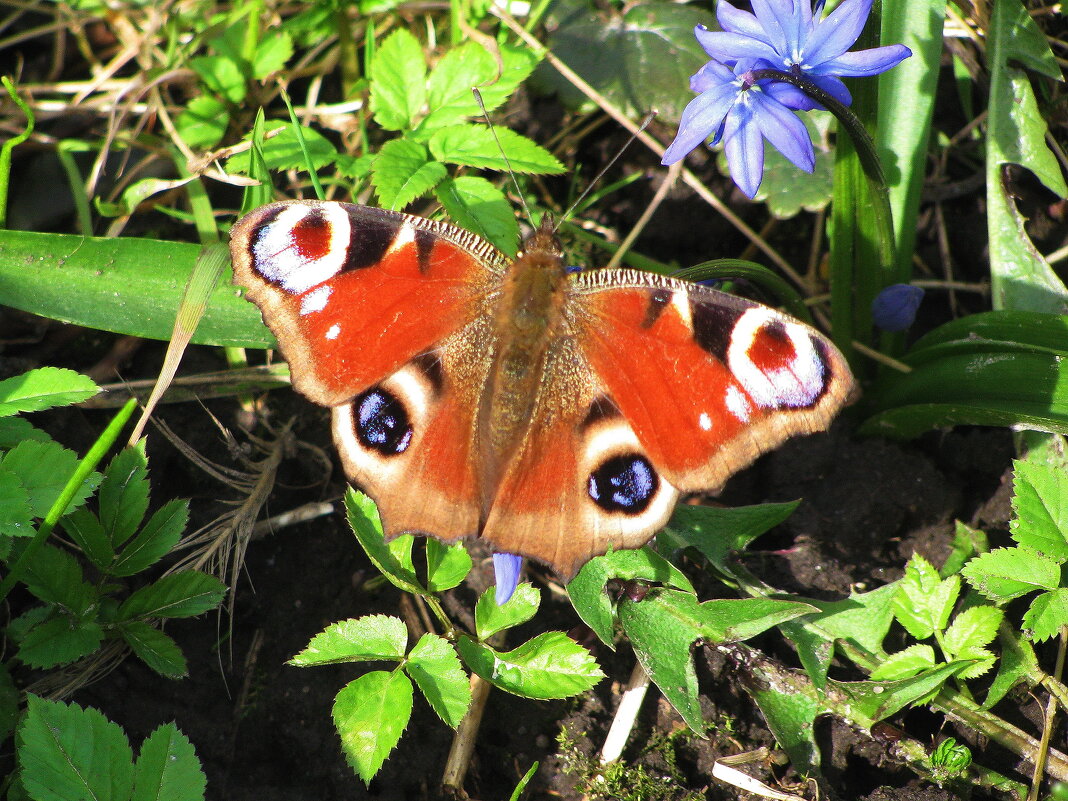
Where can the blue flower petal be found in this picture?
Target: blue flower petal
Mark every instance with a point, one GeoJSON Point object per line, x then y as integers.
{"type": "Point", "coordinates": [789, 95]}
{"type": "Point", "coordinates": [785, 130]}
{"type": "Point", "coordinates": [734, 20]}
{"type": "Point", "coordinates": [506, 567]}
{"type": "Point", "coordinates": [861, 63]}
{"type": "Point", "coordinates": [772, 14]}
{"type": "Point", "coordinates": [837, 32]}
{"type": "Point", "coordinates": [894, 309]}
{"type": "Point", "coordinates": [744, 149]}
{"type": "Point", "coordinates": [711, 74]}
{"type": "Point", "coordinates": [730, 47]}
{"type": "Point", "coordinates": [700, 119]}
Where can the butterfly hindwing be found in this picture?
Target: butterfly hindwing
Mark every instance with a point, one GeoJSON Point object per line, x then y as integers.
{"type": "Point", "coordinates": [353, 293]}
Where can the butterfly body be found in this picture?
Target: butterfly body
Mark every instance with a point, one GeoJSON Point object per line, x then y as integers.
{"type": "Point", "coordinates": [556, 415]}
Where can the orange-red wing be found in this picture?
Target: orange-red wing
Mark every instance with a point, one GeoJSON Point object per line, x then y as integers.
{"type": "Point", "coordinates": [353, 293]}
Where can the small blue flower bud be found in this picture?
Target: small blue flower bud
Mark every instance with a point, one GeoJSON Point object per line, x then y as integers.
{"type": "Point", "coordinates": [894, 309]}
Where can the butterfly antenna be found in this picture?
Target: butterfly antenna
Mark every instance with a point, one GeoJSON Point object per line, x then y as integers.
{"type": "Point", "coordinates": [507, 163]}
{"type": "Point", "coordinates": [645, 124]}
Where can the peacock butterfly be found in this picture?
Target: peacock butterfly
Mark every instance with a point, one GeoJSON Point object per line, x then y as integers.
{"type": "Point", "coordinates": [554, 414]}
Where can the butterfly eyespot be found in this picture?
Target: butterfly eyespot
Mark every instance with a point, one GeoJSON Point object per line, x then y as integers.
{"type": "Point", "coordinates": [625, 483]}
{"type": "Point", "coordinates": [382, 422]}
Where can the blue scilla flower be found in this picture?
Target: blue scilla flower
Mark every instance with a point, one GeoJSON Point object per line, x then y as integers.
{"type": "Point", "coordinates": [735, 108]}
{"type": "Point", "coordinates": [894, 309]}
{"type": "Point", "coordinates": [506, 567]}
{"type": "Point", "coordinates": [793, 36]}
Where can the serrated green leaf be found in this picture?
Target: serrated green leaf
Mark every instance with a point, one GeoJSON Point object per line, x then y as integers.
{"type": "Point", "coordinates": [449, 96]}
{"type": "Point", "coordinates": [398, 81]}
{"type": "Point", "coordinates": [975, 627]}
{"type": "Point", "coordinates": [905, 664]}
{"type": "Point", "coordinates": [1006, 573]}
{"type": "Point", "coordinates": [475, 146]}
{"type": "Point", "coordinates": [59, 641]}
{"type": "Point", "coordinates": [44, 388]}
{"type": "Point", "coordinates": [664, 624]}
{"type": "Point", "coordinates": [1046, 616]}
{"type": "Point", "coordinates": [272, 53]}
{"type": "Point", "coordinates": [587, 589]}
{"type": "Point", "coordinates": [393, 560]}
{"type": "Point", "coordinates": [44, 469]}
{"type": "Point", "coordinates": [983, 657]}
{"type": "Point", "coordinates": [14, 430]}
{"type": "Point", "coordinates": [370, 714]}
{"type": "Point", "coordinates": [402, 171]}
{"type": "Point", "coordinates": [924, 600]}
{"type": "Point", "coordinates": [283, 150]}
{"type": "Point", "coordinates": [155, 648]}
{"type": "Point", "coordinates": [477, 205]}
{"type": "Point", "coordinates": [155, 539]}
{"type": "Point", "coordinates": [66, 752]}
{"type": "Point", "coordinates": [124, 494]}
{"type": "Point", "coordinates": [167, 769]}
{"type": "Point", "coordinates": [1040, 500]}
{"type": "Point", "coordinates": [222, 75]}
{"type": "Point", "coordinates": [491, 618]}
{"type": "Point", "coordinates": [55, 577]}
{"type": "Point", "coordinates": [446, 565]}
{"type": "Point", "coordinates": [436, 669]}
{"type": "Point", "coordinates": [1018, 664]}
{"type": "Point", "coordinates": [549, 666]}
{"type": "Point", "coordinates": [968, 543]}
{"type": "Point", "coordinates": [203, 122]}
{"type": "Point", "coordinates": [356, 640]}
{"type": "Point", "coordinates": [182, 594]}
{"type": "Point", "coordinates": [87, 532]}
{"type": "Point", "coordinates": [16, 517]}
{"type": "Point", "coordinates": [862, 619]}
{"type": "Point", "coordinates": [719, 531]}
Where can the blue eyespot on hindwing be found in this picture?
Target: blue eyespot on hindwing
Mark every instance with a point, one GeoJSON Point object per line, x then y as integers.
{"type": "Point", "coordinates": [625, 483]}
{"type": "Point", "coordinates": [382, 423]}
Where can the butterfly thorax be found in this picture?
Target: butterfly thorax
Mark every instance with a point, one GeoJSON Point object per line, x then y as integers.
{"type": "Point", "coordinates": [526, 321]}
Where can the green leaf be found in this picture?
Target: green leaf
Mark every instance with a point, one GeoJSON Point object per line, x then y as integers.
{"type": "Point", "coordinates": [719, 531]}
{"type": "Point", "coordinates": [587, 589]}
{"type": "Point", "coordinates": [182, 594]}
{"type": "Point", "coordinates": [67, 753]}
{"type": "Point", "coordinates": [44, 469]}
{"type": "Point", "coordinates": [905, 664]}
{"type": "Point", "coordinates": [129, 286]}
{"type": "Point", "coordinates": [272, 53]}
{"type": "Point", "coordinates": [370, 714]}
{"type": "Point", "coordinates": [124, 494]}
{"type": "Point", "coordinates": [868, 702]}
{"type": "Point", "coordinates": [16, 517]}
{"type": "Point", "coordinates": [59, 641]}
{"type": "Point", "coordinates": [475, 146]}
{"type": "Point", "coordinates": [394, 560]}
{"type": "Point", "coordinates": [664, 624]}
{"type": "Point", "coordinates": [203, 122]}
{"type": "Point", "coordinates": [87, 532]}
{"type": "Point", "coordinates": [640, 60]}
{"type": "Point", "coordinates": [402, 171]}
{"type": "Point", "coordinates": [449, 95]}
{"type": "Point", "coordinates": [491, 618]}
{"type": "Point", "coordinates": [786, 188]}
{"type": "Point", "coordinates": [549, 666]}
{"type": "Point", "coordinates": [55, 577]}
{"type": "Point", "coordinates": [1016, 130]}
{"type": "Point", "coordinates": [167, 769]}
{"type": "Point", "coordinates": [477, 205]}
{"type": "Point", "coordinates": [790, 706]}
{"type": "Point", "coordinates": [155, 539]}
{"type": "Point", "coordinates": [398, 81]}
{"type": "Point", "coordinates": [1040, 501]}
{"type": "Point", "coordinates": [982, 657]}
{"type": "Point", "coordinates": [1046, 616]}
{"type": "Point", "coordinates": [283, 151]}
{"type": "Point", "coordinates": [222, 75]}
{"type": "Point", "coordinates": [1006, 573]}
{"type": "Point", "coordinates": [155, 648]}
{"type": "Point", "coordinates": [924, 600]}
{"type": "Point", "coordinates": [968, 543]}
{"type": "Point", "coordinates": [44, 387]}
{"type": "Point", "coordinates": [14, 430]}
{"type": "Point", "coordinates": [356, 640]}
{"type": "Point", "coordinates": [1018, 664]}
{"type": "Point", "coordinates": [973, 628]}
{"type": "Point", "coordinates": [436, 669]}
{"type": "Point", "coordinates": [446, 565]}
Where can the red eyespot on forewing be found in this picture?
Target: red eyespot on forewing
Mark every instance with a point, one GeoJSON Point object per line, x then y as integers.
{"type": "Point", "coordinates": [312, 236]}
{"type": "Point", "coordinates": [772, 349]}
